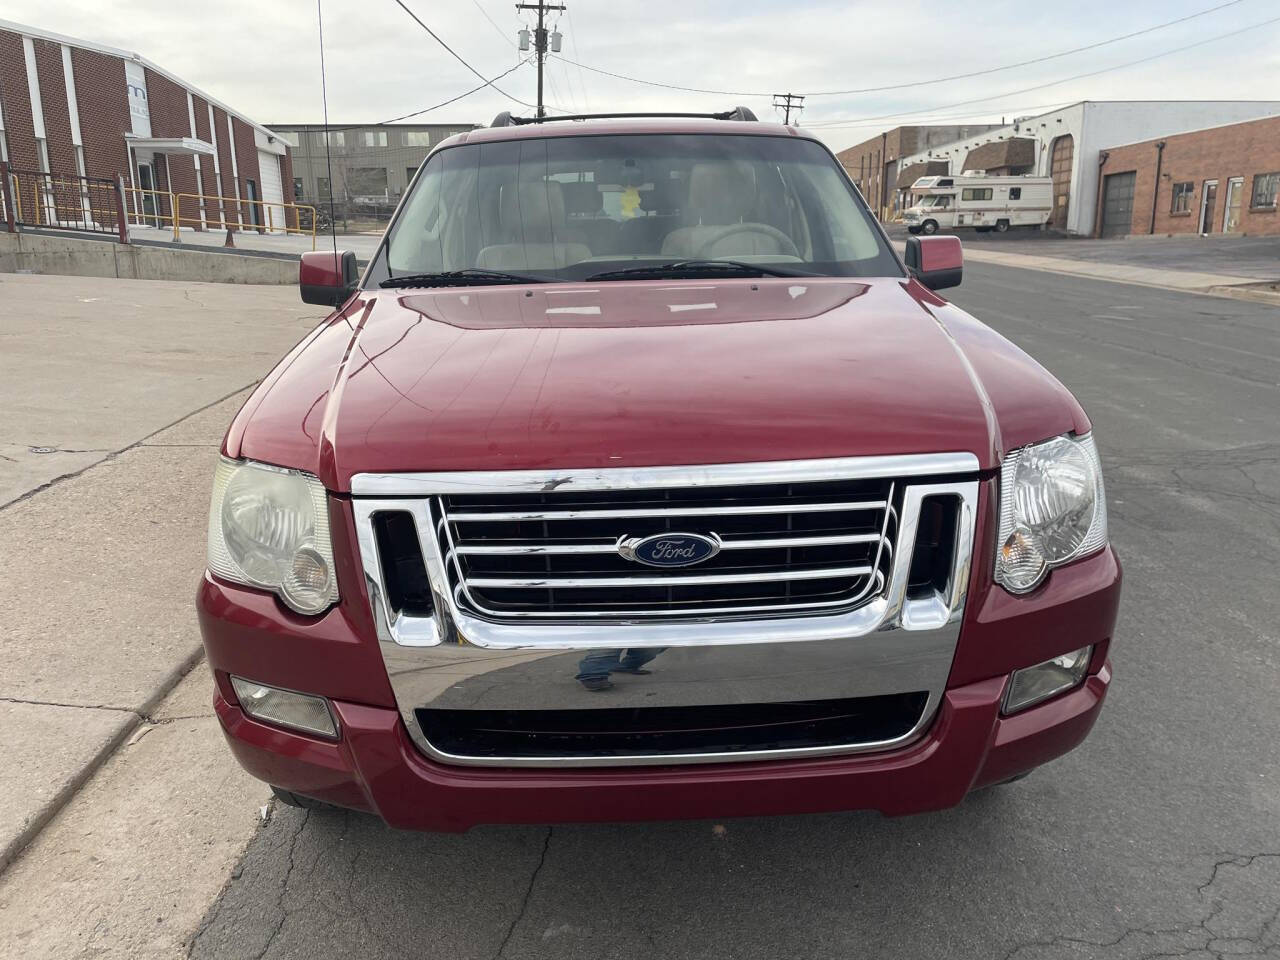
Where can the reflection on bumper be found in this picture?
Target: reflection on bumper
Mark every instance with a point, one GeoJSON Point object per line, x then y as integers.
{"type": "Point", "coordinates": [376, 768]}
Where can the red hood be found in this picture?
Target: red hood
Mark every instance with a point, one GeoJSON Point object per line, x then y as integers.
{"type": "Point", "coordinates": [642, 374]}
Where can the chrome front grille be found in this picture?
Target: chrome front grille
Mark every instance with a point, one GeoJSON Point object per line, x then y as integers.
{"type": "Point", "coordinates": [784, 547]}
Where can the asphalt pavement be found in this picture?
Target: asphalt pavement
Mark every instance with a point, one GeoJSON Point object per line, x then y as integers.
{"type": "Point", "coordinates": [1160, 836]}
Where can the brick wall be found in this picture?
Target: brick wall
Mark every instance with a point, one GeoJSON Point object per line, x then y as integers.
{"type": "Point", "coordinates": [247, 167]}
{"type": "Point", "coordinates": [234, 215]}
{"type": "Point", "coordinates": [104, 112]}
{"type": "Point", "coordinates": [18, 131]}
{"type": "Point", "coordinates": [1238, 150]}
{"type": "Point", "coordinates": [53, 101]}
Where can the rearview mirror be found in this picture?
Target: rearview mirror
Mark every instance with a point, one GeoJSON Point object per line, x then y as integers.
{"type": "Point", "coordinates": [328, 278]}
{"type": "Point", "coordinates": [937, 262]}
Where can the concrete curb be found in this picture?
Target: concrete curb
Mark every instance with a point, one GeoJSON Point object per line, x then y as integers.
{"type": "Point", "coordinates": [13, 849]}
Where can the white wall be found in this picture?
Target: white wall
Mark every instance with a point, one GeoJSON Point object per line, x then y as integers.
{"type": "Point", "coordinates": [1099, 126]}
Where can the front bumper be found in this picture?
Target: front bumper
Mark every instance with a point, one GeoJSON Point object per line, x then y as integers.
{"type": "Point", "coordinates": [375, 766]}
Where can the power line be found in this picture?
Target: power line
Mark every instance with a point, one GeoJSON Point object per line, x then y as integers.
{"type": "Point", "coordinates": [656, 83]}
{"type": "Point", "coordinates": [484, 13]}
{"type": "Point", "coordinates": [445, 103]}
{"type": "Point", "coordinates": [914, 83]}
{"type": "Point", "coordinates": [1027, 63]}
{"type": "Point", "coordinates": [854, 121]}
{"type": "Point", "coordinates": [456, 56]}
{"type": "Point", "coordinates": [574, 42]}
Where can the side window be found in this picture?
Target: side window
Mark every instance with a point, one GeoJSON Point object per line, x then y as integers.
{"type": "Point", "coordinates": [1015, 193]}
{"type": "Point", "coordinates": [975, 193]}
{"type": "Point", "coordinates": [1182, 193]}
{"type": "Point", "coordinates": [1265, 188]}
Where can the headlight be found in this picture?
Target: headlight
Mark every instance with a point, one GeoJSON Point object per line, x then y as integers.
{"type": "Point", "coordinates": [1052, 509]}
{"type": "Point", "coordinates": [269, 528]}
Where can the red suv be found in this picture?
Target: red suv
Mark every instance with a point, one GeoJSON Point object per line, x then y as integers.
{"type": "Point", "coordinates": [637, 477]}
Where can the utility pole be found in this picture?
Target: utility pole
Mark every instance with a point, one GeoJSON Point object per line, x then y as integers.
{"type": "Point", "coordinates": [540, 40]}
{"type": "Point", "coordinates": [786, 102]}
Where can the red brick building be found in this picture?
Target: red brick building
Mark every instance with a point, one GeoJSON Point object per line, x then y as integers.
{"type": "Point", "coordinates": [1219, 180]}
{"type": "Point", "coordinates": [72, 107]}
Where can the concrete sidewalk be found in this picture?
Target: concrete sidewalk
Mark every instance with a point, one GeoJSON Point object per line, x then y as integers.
{"type": "Point", "coordinates": [362, 244]}
{"type": "Point", "coordinates": [117, 394]}
{"type": "Point", "coordinates": [1187, 281]}
{"type": "Point", "coordinates": [1174, 277]}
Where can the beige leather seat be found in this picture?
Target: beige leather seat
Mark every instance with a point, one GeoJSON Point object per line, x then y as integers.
{"type": "Point", "coordinates": [532, 222]}
{"type": "Point", "coordinates": [721, 195]}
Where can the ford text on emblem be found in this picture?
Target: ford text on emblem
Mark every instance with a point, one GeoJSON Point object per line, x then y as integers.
{"type": "Point", "coordinates": [670, 549]}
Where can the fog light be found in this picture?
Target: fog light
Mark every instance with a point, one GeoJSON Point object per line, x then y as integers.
{"type": "Point", "coordinates": [298, 711]}
{"type": "Point", "coordinates": [1031, 685]}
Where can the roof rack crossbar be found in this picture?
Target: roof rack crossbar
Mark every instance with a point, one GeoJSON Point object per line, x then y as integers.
{"type": "Point", "coordinates": [506, 119]}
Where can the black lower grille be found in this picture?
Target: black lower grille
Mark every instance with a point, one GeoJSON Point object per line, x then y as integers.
{"type": "Point", "coordinates": [647, 731]}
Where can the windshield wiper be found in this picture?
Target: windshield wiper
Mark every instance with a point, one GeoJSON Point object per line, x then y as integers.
{"type": "Point", "coordinates": [470, 276]}
{"type": "Point", "coordinates": [678, 268]}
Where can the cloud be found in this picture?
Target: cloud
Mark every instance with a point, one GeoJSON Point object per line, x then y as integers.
{"type": "Point", "coordinates": [262, 57]}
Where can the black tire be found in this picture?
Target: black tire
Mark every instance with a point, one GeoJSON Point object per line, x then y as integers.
{"type": "Point", "coordinates": [290, 799]}
{"type": "Point", "coordinates": [929, 227]}
{"type": "Point", "coordinates": [913, 229]}
{"type": "Point", "coordinates": [1002, 226]}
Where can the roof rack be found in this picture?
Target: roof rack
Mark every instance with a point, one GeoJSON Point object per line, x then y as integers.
{"type": "Point", "coordinates": [505, 119]}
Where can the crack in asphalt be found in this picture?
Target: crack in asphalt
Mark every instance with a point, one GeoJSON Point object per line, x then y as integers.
{"type": "Point", "coordinates": [284, 885]}
{"type": "Point", "coordinates": [74, 706]}
{"type": "Point", "coordinates": [528, 894]}
{"type": "Point", "coordinates": [1199, 928]}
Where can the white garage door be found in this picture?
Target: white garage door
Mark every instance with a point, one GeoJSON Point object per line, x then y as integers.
{"type": "Point", "coordinates": [272, 191]}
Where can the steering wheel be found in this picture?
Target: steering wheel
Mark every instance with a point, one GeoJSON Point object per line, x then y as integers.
{"type": "Point", "coordinates": [788, 246]}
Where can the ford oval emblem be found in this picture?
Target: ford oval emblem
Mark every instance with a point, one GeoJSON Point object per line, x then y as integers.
{"type": "Point", "coordinates": [670, 549]}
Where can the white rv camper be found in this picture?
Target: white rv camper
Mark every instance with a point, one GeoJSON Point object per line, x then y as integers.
{"type": "Point", "coordinates": [979, 201]}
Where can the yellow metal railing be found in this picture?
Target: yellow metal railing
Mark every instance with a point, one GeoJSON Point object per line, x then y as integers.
{"type": "Point", "coordinates": [232, 216]}
{"type": "Point", "coordinates": [57, 200]}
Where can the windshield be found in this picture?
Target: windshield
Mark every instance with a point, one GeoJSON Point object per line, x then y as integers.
{"type": "Point", "coordinates": [568, 208]}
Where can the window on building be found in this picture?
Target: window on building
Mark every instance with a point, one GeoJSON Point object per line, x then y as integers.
{"type": "Point", "coordinates": [1265, 187]}
{"type": "Point", "coordinates": [417, 138]}
{"type": "Point", "coordinates": [374, 138]}
{"type": "Point", "coordinates": [367, 181]}
{"type": "Point", "coordinates": [289, 136]}
{"type": "Point", "coordinates": [409, 173]}
{"type": "Point", "coordinates": [975, 193]}
{"type": "Point", "coordinates": [1015, 193]}
{"type": "Point", "coordinates": [1182, 194]}
{"type": "Point", "coordinates": [323, 189]}
{"type": "Point", "coordinates": [297, 188]}
{"type": "Point", "coordinates": [337, 138]}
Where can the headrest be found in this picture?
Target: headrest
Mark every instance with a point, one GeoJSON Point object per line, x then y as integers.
{"type": "Point", "coordinates": [532, 211]}
{"type": "Point", "coordinates": [719, 193]}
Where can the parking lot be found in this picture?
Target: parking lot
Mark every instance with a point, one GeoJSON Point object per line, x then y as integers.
{"type": "Point", "coordinates": [1158, 837]}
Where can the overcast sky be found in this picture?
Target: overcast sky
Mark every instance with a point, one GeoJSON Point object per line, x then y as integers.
{"type": "Point", "coordinates": [262, 56]}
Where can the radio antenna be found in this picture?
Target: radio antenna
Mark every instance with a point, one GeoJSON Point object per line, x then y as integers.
{"type": "Point", "coordinates": [328, 159]}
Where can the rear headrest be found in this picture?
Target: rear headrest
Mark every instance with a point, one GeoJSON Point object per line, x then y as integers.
{"type": "Point", "coordinates": [532, 211]}
{"type": "Point", "coordinates": [719, 193]}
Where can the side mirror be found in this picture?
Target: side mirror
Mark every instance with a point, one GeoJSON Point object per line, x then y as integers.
{"type": "Point", "coordinates": [937, 262]}
{"type": "Point", "coordinates": [328, 278]}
